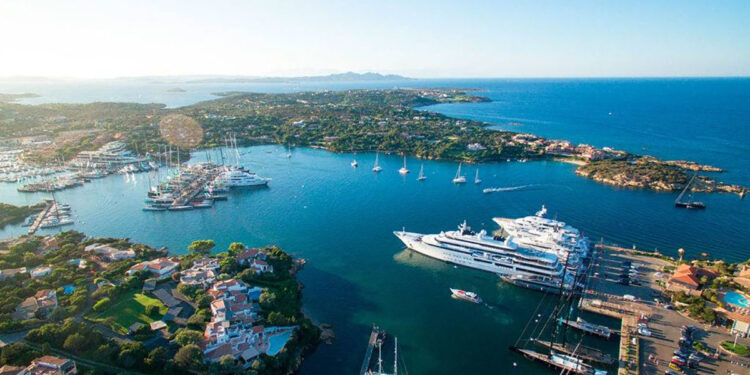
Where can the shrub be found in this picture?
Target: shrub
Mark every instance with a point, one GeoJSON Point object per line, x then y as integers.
{"type": "Point", "coordinates": [102, 304]}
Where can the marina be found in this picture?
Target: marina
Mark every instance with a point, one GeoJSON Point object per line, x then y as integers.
{"type": "Point", "coordinates": [258, 216]}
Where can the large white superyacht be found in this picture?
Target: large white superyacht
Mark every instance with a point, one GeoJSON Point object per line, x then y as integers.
{"type": "Point", "coordinates": [548, 235]}
{"type": "Point", "coordinates": [504, 257]}
{"type": "Point", "coordinates": [239, 177]}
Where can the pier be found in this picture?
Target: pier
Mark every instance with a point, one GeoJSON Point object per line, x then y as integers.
{"type": "Point", "coordinates": [368, 354]}
{"type": "Point", "coordinates": [40, 217]}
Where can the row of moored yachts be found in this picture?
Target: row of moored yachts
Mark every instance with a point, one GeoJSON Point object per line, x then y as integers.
{"type": "Point", "coordinates": [532, 252]}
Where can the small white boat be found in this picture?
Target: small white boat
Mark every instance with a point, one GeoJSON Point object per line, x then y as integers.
{"type": "Point", "coordinates": [403, 169]}
{"type": "Point", "coordinates": [459, 179]}
{"type": "Point", "coordinates": [476, 178]}
{"type": "Point", "coordinates": [421, 176]}
{"type": "Point", "coordinates": [377, 167]}
{"type": "Point", "coordinates": [466, 296]}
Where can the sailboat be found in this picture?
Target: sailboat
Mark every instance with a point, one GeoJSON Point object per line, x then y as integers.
{"type": "Point", "coordinates": [459, 179]}
{"type": "Point", "coordinates": [377, 167]}
{"type": "Point", "coordinates": [476, 178]}
{"type": "Point", "coordinates": [354, 162]}
{"type": "Point", "coordinates": [421, 177]}
{"type": "Point", "coordinates": [403, 169]}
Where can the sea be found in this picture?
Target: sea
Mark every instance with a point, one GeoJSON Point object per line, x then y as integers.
{"type": "Point", "coordinates": [341, 219]}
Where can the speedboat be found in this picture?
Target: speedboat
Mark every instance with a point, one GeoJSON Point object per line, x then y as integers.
{"type": "Point", "coordinates": [466, 296]}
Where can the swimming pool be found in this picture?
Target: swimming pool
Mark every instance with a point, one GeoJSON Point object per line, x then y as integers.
{"type": "Point", "coordinates": [736, 299]}
{"type": "Point", "coordinates": [277, 342]}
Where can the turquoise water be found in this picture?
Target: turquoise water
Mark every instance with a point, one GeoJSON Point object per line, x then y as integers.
{"type": "Point", "coordinates": [277, 341]}
{"type": "Point", "coordinates": [736, 299]}
{"type": "Point", "coordinates": [341, 220]}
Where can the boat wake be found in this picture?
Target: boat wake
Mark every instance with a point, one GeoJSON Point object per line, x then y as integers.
{"type": "Point", "coordinates": [510, 188]}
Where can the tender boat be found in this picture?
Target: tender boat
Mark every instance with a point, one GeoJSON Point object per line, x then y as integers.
{"type": "Point", "coordinates": [464, 295]}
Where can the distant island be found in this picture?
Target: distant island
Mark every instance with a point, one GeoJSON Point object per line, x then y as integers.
{"type": "Point", "coordinates": [15, 97]}
{"type": "Point", "coordinates": [391, 120]}
{"type": "Point", "coordinates": [340, 77]}
{"type": "Point", "coordinates": [176, 89]}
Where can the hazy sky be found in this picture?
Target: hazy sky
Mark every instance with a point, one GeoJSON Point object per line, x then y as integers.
{"type": "Point", "coordinates": [415, 38]}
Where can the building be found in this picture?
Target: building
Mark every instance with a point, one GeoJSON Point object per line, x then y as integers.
{"type": "Point", "coordinates": [231, 331]}
{"type": "Point", "coordinates": [688, 277]}
{"type": "Point", "coordinates": [202, 273]}
{"type": "Point", "coordinates": [11, 272]}
{"type": "Point", "coordinates": [51, 365]}
{"type": "Point", "coordinates": [475, 147]}
{"type": "Point", "coordinates": [109, 253]}
{"type": "Point", "coordinates": [159, 268]}
{"type": "Point", "coordinates": [40, 271]}
{"type": "Point", "coordinates": [261, 266]}
{"type": "Point", "coordinates": [42, 303]}
{"type": "Point", "coordinates": [246, 257]}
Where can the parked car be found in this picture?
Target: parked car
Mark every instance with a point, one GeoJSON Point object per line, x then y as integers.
{"type": "Point", "coordinates": [668, 307]}
{"type": "Point", "coordinates": [644, 331]}
{"type": "Point", "coordinates": [678, 361]}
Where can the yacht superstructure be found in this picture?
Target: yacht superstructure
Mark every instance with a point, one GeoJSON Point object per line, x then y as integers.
{"type": "Point", "coordinates": [239, 177]}
{"type": "Point", "coordinates": [503, 257]}
{"type": "Point", "coordinates": [548, 235]}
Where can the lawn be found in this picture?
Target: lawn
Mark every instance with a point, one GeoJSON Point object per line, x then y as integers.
{"type": "Point", "coordinates": [737, 349]}
{"type": "Point", "coordinates": [128, 309]}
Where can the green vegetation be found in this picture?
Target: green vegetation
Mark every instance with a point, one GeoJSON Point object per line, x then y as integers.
{"type": "Point", "coordinates": [696, 307]}
{"type": "Point", "coordinates": [202, 247]}
{"type": "Point", "coordinates": [10, 214]}
{"type": "Point", "coordinates": [641, 173]}
{"type": "Point", "coordinates": [738, 349]}
{"type": "Point", "coordinates": [131, 308]}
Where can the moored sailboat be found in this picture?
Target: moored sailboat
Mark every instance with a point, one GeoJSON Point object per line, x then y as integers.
{"type": "Point", "coordinates": [459, 179]}
{"type": "Point", "coordinates": [421, 176]}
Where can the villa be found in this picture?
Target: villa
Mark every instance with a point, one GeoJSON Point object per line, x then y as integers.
{"type": "Point", "coordinates": [42, 303]}
{"type": "Point", "coordinates": [231, 331]}
{"type": "Point", "coordinates": [159, 268]}
{"type": "Point", "coordinates": [110, 254]}
{"type": "Point", "coordinates": [203, 273]}
{"type": "Point", "coordinates": [687, 278]}
{"type": "Point", "coordinates": [50, 365]}
{"type": "Point", "coordinates": [40, 271]}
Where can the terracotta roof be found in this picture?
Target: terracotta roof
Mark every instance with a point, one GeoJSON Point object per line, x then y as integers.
{"type": "Point", "coordinates": [685, 278]}
{"type": "Point", "coordinates": [57, 361]}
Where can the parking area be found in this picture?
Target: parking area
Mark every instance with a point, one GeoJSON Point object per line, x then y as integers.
{"type": "Point", "coordinates": [630, 284]}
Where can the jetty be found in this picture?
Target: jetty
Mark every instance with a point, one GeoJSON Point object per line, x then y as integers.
{"type": "Point", "coordinates": [370, 347]}
{"type": "Point", "coordinates": [40, 216]}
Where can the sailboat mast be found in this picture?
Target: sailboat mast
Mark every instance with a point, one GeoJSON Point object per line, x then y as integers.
{"type": "Point", "coordinates": [395, 356]}
{"type": "Point", "coordinates": [380, 358]}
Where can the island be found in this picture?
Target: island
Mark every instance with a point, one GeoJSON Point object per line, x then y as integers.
{"type": "Point", "coordinates": [391, 121]}
{"type": "Point", "coordinates": [175, 89]}
{"type": "Point", "coordinates": [113, 306]}
{"type": "Point", "coordinates": [14, 97]}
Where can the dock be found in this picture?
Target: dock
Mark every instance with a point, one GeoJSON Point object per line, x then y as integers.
{"type": "Point", "coordinates": [368, 354]}
{"type": "Point", "coordinates": [40, 217]}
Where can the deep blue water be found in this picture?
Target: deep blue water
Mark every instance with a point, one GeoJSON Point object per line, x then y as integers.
{"type": "Point", "coordinates": [340, 219]}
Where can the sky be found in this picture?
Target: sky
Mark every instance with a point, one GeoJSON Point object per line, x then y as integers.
{"type": "Point", "coordinates": [421, 39]}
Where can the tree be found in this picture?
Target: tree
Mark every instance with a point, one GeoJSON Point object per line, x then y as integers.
{"type": "Point", "coordinates": [236, 248]}
{"type": "Point", "coordinates": [156, 358]}
{"type": "Point", "coordinates": [189, 357]}
{"type": "Point", "coordinates": [131, 354]}
{"type": "Point", "coordinates": [202, 247]}
{"type": "Point", "coordinates": [152, 310]}
{"type": "Point", "coordinates": [75, 343]}
{"type": "Point", "coordinates": [186, 336]}
{"type": "Point", "coordinates": [17, 354]}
